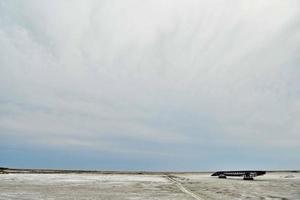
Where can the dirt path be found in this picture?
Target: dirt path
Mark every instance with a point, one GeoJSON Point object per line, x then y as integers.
{"type": "Point", "coordinates": [182, 188]}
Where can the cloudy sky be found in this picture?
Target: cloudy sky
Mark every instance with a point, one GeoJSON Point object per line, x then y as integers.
{"type": "Point", "coordinates": [150, 85]}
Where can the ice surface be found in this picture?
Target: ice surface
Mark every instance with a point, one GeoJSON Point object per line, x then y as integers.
{"type": "Point", "coordinates": [279, 185]}
{"type": "Point", "coordinates": [282, 185]}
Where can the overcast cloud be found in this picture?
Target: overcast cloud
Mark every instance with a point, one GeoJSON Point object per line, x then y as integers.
{"type": "Point", "coordinates": [155, 85]}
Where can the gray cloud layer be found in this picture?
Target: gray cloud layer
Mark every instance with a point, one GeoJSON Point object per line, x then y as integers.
{"type": "Point", "coordinates": [107, 75]}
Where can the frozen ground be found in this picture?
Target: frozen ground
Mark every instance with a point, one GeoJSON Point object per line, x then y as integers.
{"type": "Point", "coordinates": [134, 186]}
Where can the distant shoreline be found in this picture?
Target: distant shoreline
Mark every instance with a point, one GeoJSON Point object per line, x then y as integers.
{"type": "Point", "coordinates": [4, 170]}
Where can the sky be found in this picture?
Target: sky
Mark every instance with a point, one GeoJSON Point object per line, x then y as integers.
{"type": "Point", "coordinates": [152, 85]}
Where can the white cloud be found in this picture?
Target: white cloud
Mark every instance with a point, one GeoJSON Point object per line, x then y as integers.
{"type": "Point", "coordinates": [99, 68]}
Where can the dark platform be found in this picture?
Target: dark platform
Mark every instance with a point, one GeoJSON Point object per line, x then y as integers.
{"type": "Point", "coordinates": [248, 174]}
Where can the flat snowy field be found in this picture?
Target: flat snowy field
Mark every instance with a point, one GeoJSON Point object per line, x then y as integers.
{"type": "Point", "coordinates": [279, 185]}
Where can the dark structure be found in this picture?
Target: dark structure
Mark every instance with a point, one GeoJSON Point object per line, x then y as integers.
{"type": "Point", "coordinates": [248, 174]}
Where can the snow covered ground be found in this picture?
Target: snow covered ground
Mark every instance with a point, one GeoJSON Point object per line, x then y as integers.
{"type": "Point", "coordinates": [270, 186]}
{"type": "Point", "coordinates": [279, 185]}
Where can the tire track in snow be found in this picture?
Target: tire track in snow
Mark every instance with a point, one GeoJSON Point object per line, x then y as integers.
{"type": "Point", "coordinates": [182, 188]}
